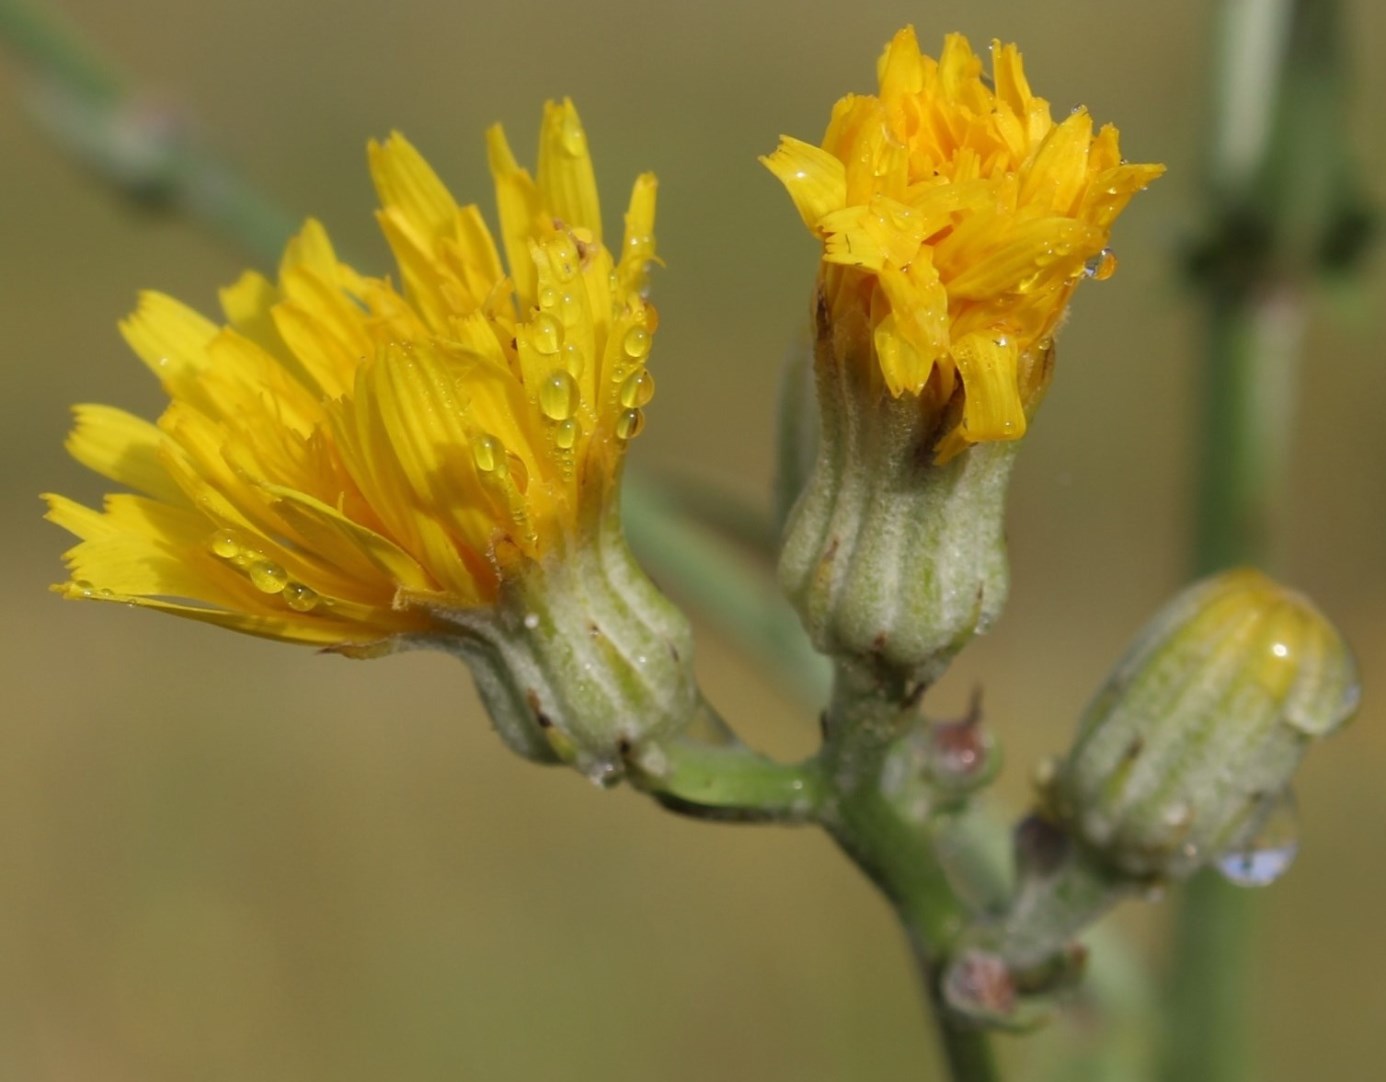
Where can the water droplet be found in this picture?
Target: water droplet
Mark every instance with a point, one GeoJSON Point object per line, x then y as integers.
{"type": "Point", "coordinates": [226, 543]}
{"type": "Point", "coordinates": [602, 773]}
{"type": "Point", "coordinates": [488, 453]}
{"type": "Point", "coordinates": [105, 592]}
{"type": "Point", "coordinates": [544, 334]}
{"type": "Point", "coordinates": [300, 598]}
{"type": "Point", "coordinates": [637, 390]}
{"type": "Point", "coordinates": [1268, 855]}
{"type": "Point", "coordinates": [1002, 341]}
{"type": "Point", "coordinates": [629, 424]}
{"type": "Point", "coordinates": [573, 360]}
{"type": "Point", "coordinates": [567, 433]}
{"type": "Point", "coordinates": [569, 309]}
{"type": "Point", "coordinates": [1101, 266]}
{"type": "Point", "coordinates": [558, 395]}
{"type": "Point", "coordinates": [548, 297]}
{"type": "Point", "coordinates": [531, 620]}
{"type": "Point", "coordinates": [636, 342]}
{"type": "Point", "coordinates": [563, 257]}
{"type": "Point", "coordinates": [268, 577]}
{"type": "Point", "coordinates": [572, 137]}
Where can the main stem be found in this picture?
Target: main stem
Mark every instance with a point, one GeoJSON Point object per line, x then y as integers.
{"type": "Point", "coordinates": [867, 712]}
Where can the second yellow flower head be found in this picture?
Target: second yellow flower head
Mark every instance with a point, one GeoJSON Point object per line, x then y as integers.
{"type": "Point", "coordinates": [956, 218]}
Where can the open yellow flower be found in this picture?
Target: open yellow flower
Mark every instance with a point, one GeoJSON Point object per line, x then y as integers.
{"type": "Point", "coordinates": [347, 460]}
{"type": "Point", "coordinates": [956, 218]}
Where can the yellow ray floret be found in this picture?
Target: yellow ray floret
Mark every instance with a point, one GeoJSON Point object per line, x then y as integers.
{"type": "Point", "coordinates": [345, 460]}
{"type": "Point", "coordinates": [957, 216]}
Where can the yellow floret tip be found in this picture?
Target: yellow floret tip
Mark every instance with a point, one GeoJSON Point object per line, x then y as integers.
{"type": "Point", "coordinates": [957, 216]}
{"type": "Point", "coordinates": [345, 460]}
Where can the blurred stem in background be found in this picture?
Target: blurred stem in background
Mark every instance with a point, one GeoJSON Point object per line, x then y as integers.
{"type": "Point", "coordinates": [1283, 214]}
{"type": "Point", "coordinates": [142, 146]}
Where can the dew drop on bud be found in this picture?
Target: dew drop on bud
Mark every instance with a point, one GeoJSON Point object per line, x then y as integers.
{"type": "Point", "coordinates": [1267, 856]}
{"type": "Point", "coordinates": [629, 424]}
{"type": "Point", "coordinates": [548, 297]}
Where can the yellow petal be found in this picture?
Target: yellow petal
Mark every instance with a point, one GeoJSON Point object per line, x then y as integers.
{"type": "Point", "coordinates": [816, 180]}
{"type": "Point", "coordinates": [991, 407]}
{"type": "Point", "coordinates": [124, 448]}
{"type": "Point", "coordinates": [566, 181]}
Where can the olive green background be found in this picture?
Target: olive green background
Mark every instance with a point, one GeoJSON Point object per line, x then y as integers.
{"type": "Point", "coordinates": [223, 859]}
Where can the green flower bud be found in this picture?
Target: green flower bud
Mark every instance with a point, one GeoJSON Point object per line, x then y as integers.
{"type": "Point", "coordinates": [1186, 754]}
{"type": "Point", "coordinates": [893, 556]}
{"type": "Point", "coordinates": [582, 660]}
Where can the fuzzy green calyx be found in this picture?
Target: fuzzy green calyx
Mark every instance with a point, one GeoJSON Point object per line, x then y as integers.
{"type": "Point", "coordinates": [582, 661]}
{"type": "Point", "coordinates": [891, 558]}
{"type": "Point", "coordinates": [1190, 746]}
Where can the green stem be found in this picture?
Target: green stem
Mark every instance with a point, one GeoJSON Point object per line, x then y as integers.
{"type": "Point", "coordinates": [895, 849]}
{"type": "Point", "coordinates": [1282, 204]}
{"type": "Point", "coordinates": [729, 782]}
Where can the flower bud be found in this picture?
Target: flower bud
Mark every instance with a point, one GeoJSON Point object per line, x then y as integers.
{"type": "Point", "coordinates": [1188, 750]}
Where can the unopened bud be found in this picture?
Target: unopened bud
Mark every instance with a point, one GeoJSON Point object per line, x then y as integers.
{"type": "Point", "coordinates": [1187, 752]}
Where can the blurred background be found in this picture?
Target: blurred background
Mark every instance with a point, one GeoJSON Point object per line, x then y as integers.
{"type": "Point", "coordinates": [228, 859]}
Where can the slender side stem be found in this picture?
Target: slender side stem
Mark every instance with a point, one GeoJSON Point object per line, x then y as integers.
{"type": "Point", "coordinates": [1282, 205]}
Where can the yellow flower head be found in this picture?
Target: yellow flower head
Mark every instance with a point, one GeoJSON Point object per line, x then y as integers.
{"type": "Point", "coordinates": [956, 218]}
{"type": "Point", "coordinates": [348, 459]}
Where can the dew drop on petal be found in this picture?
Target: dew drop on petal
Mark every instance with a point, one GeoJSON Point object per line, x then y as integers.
{"type": "Point", "coordinates": [629, 424]}
{"type": "Point", "coordinates": [637, 342]}
{"type": "Point", "coordinates": [573, 360]}
{"type": "Point", "coordinates": [572, 137]}
{"type": "Point", "coordinates": [1267, 856]}
{"type": "Point", "coordinates": [1101, 266]}
{"type": "Point", "coordinates": [637, 389]}
{"type": "Point", "coordinates": [488, 453]}
{"type": "Point", "coordinates": [544, 334]}
{"type": "Point", "coordinates": [226, 544]}
{"type": "Point", "coordinates": [268, 577]}
{"type": "Point", "coordinates": [299, 597]}
{"type": "Point", "coordinates": [558, 395]}
{"type": "Point", "coordinates": [569, 309]}
{"type": "Point", "coordinates": [567, 433]}
{"type": "Point", "coordinates": [548, 297]}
